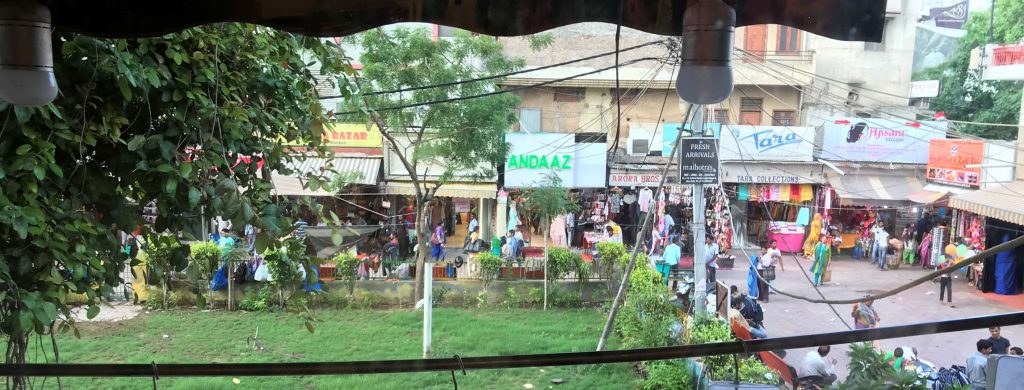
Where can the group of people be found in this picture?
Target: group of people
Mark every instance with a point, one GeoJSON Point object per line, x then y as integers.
{"type": "Point", "coordinates": [978, 361]}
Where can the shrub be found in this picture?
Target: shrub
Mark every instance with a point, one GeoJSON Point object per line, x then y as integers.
{"type": "Point", "coordinates": [647, 315]}
{"type": "Point", "coordinates": [610, 256]}
{"type": "Point", "coordinates": [561, 261]}
{"type": "Point", "coordinates": [534, 296]}
{"type": "Point", "coordinates": [347, 269]}
{"type": "Point", "coordinates": [205, 258]}
{"type": "Point", "coordinates": [490, 265]}
{"type": "Point", "coordinates": [705, 330]}
{"type": "Point", "coordinates": [670, 375]}
{"type": "Point", "coordinates": [260, 301]}
{"type": "Point", "coordinates": [569, 300]}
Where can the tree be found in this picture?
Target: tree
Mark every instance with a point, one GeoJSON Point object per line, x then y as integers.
{"type": "Point", "coordinates": [547, 202]}
{"type": "Point", "coordinates": [465, 136]}
{"type": "Point", "coordinates": [77, 171]}
{"type": "Point", "coordinates": [963, 95]}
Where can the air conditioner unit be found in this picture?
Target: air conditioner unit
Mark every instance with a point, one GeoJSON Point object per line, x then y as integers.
{"type": "Point", "coordinates": [639, 147]}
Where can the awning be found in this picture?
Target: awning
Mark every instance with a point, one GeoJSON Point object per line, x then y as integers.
{"type": "Point", "coordinates": [1004, 203]}
{"type": "Point", "coordinates": [874, 190]}
{"type": "Point", "coordinates": [933, 193]}
{"type": "Point", "coordinates": [367, 169]}
{"type": "Point", "coordinates": [451, 190]}
{"type": "Point", "coordinates": [292, 186]}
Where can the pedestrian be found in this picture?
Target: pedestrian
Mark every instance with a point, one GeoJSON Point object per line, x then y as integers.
{"type": "Point", "coordinates": [671, 257]}
{"type": "Point", "coordinates": [300, 228]}
{"type": "Point", "coordinates": [766, 262]}
{"type": "Point", "coordinates": [822, 255]}
{"type": "Point", "coordinates": [909, 245]}
{"type": "Point", "coordinates": [735, 315]}
{"type": "Point", "coordinates": [1016, 351]}
{"type": "Point", "coordinates": [881, 245]}
{"type": "Point", "coordinates": [895, 359]}
{"type": "Point", "coordinates": [946, 282]}
{"type": "Point", "coordinates": [976, 365]}
{"type": "Point", "coordinates": [250, 239]}
{"type": "Point", "coordinates": [1000, 344]}
{"type": "Point", "coordinates": [814, 363]}
{"type": "Point", "coordinates": [473, 224]}
{"type": "Point", "coordinates": [864, 315]}
{"type": "Point", "coordinates": [776, 254]}
{"type": "Point", "coordinates": [437, 240]}
{"type": "Point", "coordinates": [570, 227]}
{"type": "Point", "coordinates": [710, 258]}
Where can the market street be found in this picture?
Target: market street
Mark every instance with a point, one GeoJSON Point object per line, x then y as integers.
{"type": "Point", "coordinates": [785, 316]}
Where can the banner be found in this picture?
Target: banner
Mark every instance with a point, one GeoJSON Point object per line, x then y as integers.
{"type": "Point", "coordinates": [767, 143]}
{"type": "Point", "coordinates": [534, 156]}
{"type": "Point", "coordinates": [634, 179]}
{"type": "Point", "coordinates": [669, 132]}
{"type": "Point", "coordinates": [698, 161]}
{"type": "Point", "coordinates": [879, 140]}
{"type": "Point", "coordinates": [350, 135]}
{"type": "Point", "coordinates": [948, 161]}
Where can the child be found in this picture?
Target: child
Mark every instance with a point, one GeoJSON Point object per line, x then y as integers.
{"type": "Point", "coordinates": [946, 281]}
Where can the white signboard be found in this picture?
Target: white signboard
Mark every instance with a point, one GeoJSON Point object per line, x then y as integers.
{"type": "Point", "coordinates": [924, 89]}
{"type": "Point", "coordinates": [879, 140]}
{"type": "Point", "coordinates": [534, 156]}
{"type": "Point", "coordinates": [1004, 62]}
{"type": "Point", "coordinates": [767, 143]}
{"type": "Point", "coordinates": [634, 179]}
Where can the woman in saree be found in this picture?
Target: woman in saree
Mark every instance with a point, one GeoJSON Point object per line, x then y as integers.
{"type": "Point", "coordinates": [812, 235]}
{"type": "Point", "coordinates": [822, 255]}
{"type": "Point", "coordinates": [925, 250]}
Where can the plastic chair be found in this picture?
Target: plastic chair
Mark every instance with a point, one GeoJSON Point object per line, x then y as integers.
{"type": "Point", "coordinates": [773, 361]}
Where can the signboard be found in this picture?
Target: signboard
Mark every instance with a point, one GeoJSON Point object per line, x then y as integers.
{"type": "Point", "coordinates": [952, 14]}
{"type": "Point", "coordinates": [924, 89]}
{"type": "Point", "coordinates": [948, 160]}
{"type": "Point", "coordinates": [753, 173]}
{"type": "Point", "coordinates": [698, 161]}
{"type": "Point", "coordinates": [1004, 62]}
{"type": "Point", "coordinates": [463, 205]}
{"type": "Point", "coordinates": [879, 140]}
{"type": "Point", "coordinates": [351, 135]}
{"type": "Point", "coordinates": [634, 179]}
{"type": "Point", "coordinates": [534, 156]}
{"type": "Point", "coordinates": [669, 132]}
{"type": "Point", "coordinates": [767, 143]}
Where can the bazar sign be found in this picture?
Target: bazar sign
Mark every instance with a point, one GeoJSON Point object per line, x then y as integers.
{"type": "Point", "coordinates": [535, 156]}
{"type": "Point", "coordinates": [948, 161]}
{"type": "Point", "coordinates": [767, 143]}
{"type": "Point", "coordinates": [634, 180]}
{"type": "Point", "coordinates": [880, 140]}
{"type": "Point", "coordinates": [534, 161]}
{"type": "Point", "coordinates": [349, 135]}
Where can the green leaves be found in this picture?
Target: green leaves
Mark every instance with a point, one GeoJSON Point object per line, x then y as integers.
{"type": "Point", "coordinates": [23, 149]}
{"type": "Point", "coordinates": [92, 312]}
{"type": "Point", "coordinates": [193, 196]}
{"type": "Point", "coordinates": [136, 143]}
{"type": "Point", "coordinates": [126, 90]}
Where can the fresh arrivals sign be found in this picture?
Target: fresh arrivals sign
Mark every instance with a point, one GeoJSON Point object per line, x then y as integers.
{"type": "Point", "coordinates": [948, 161]}
{"type": "Point", "coordinates": [767, 143]}
{"type": "Point", "coordinates": [698, 161]}
{"type": "Point", "coordinates": [879, 140]}
{"type": "Point", "coordinates": [534, 156]}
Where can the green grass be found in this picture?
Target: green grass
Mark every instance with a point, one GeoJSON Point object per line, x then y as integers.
{"type": "Point", "coordinates": [194, 337]}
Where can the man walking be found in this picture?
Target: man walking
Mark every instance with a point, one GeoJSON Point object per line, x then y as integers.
{"type": "Point", "coordinates": [710, 258]}
{"type": "Point", "coordinates": [976, 365]}
{"type": "Point", "coordinates": [671, 257]}
{"type": "Point", "coordinates": [881, 245]}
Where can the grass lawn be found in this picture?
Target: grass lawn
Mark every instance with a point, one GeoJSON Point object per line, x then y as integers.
{"type": "Point", "coordinates": [194, 337]}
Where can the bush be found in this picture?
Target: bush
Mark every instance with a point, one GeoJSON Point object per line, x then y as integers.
{"type": "Point", "coordinates": [568, 300]}
{"type": "Point", "coordinates": [347, 269]}
{"type": "Point", "coordinates": [259, 302]}
{"type": "Point", "coordinates": [670, 375]}
{"type": "Point", "coordinates": [490, 266]}
{"type": "Point", "coordinates": [611, 258]}
{"type": "Point", "coordinates": [561, 261]}
{"type": "Point", "coordinates": [705, 330]}
{"type": "Point", "coordinates": [646, 316]}
{"type": "Point", "coordinates": [205, 258]}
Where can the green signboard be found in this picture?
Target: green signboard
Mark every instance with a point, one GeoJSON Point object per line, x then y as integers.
{"type": "Point", "coordinates": [540, 161]}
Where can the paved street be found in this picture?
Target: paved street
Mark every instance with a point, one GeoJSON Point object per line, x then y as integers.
{"type": "Point", "coordinates": [853, 278]}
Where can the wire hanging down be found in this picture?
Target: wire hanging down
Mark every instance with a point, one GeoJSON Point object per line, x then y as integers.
{"type": "Point", "coordinates": [514, 361]}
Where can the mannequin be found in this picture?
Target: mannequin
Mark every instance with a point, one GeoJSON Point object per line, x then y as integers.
{"type": "Point", "coordinates": [513, 216]}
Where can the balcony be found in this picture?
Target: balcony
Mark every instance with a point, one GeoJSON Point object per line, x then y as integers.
{"type": "Point", "coordinates": [773, 68]}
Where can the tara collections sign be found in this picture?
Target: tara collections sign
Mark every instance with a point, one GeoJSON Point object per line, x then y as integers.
{"type": "Point", "coordinates": [880, 140]}
{"type": "Point", "coordinates": [698, 161]}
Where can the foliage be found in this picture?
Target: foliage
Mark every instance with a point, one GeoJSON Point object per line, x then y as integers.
{"type": "Point", "coordinates": [260, 302]}
{"type": "Point", "coordinates": [963, 95]}
{"type": "Point", "coordinates": [490, 266]}
{"type": "Point", "coordinates": [710, 329]}
{"type": "Point", "coordinates": [560, 262]}
{"type": "Point", "coordinates": [670, 375]}
{"type": "Point", "coordinates": [76, 172]}
{"type": "Point", "coordinates": [647, 315]}
{"type": "Point", "coordinates": [612, 258]}
{"type": "Point", "coordinates": [753, 370]}
{"type": "Point", "coordinates": [567, 300]}
{"type": "Point", "coordinates": [347, 269]}
{"type": "Point", "coordinates": [467, 135]}
{"type": "Point", "coordinates": [481, 298]}
{"type": "Point", "coordinates": [341, 180]}
{"type": "Point", "coordinates": [205, 258]}
{"type": "Point", "coordinates": [164, 256]}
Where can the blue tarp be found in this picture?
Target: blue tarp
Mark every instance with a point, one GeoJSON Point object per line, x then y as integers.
{"type": "Point", "coordinates": [1007, 281]}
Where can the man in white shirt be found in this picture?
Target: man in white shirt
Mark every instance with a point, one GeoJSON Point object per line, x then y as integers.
{"type": "Point", "coordinates": [814, 363]}
{"type": "Point", "coordinates": [976, 365]}
{"type": "Point", "coordinates": [881, 244]}
{"type": "Point", "coordinates": [473, 224]}
{"type": "Point", "coordinates": [710, 258]}
{"type": "Point", "coordinates": [570, 227]}
{"type": "Point", "coordinates": [776, 254]}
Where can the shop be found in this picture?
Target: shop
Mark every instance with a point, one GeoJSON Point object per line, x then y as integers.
{"type": "Point", "coordinates": [578, 163]}
{"type": "Point", "coordinates": [992, 216]}
{"type": "Point", "coordinates": [771, 179]}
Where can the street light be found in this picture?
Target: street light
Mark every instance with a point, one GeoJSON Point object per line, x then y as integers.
{"type": "Point", "coordinates": [705, 73]}
{"type": "Point", "coordinates": [26, 54]}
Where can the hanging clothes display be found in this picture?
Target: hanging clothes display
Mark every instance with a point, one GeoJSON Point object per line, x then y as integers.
{"type": "Point", "coordinates": [645, 199]}
{"type": "Point", "coordinates": [743, 192]}
{"type": "Point", "coordinates": [513, 216]}
{"type": "Point", "coordinates": [784, 192]}
{"type": "Point", "coordinates": [614, 202]}
{"type": "Point", "coordinates": [806, 192]}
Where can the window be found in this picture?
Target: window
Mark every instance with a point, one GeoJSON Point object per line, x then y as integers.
{"type": "Point", "coordinates": [789, 40]}
{"type": "Point", "coordinates": [755, 42]}
{"type": "Point", "coordinates": [878, 46]}
{"type": "Point", "coordinates": [629, 96]}
{"type": "Point", "coordinates": [569, 95]}
{"type": "Point", "coordinates": [783, 118]}
{"type": "Point", "coordinates": [446, 32]}
{"type": "Point", "coordinates": [752, 104]}
{"type": "Point", "coordinates": [529, 119]}
{"type": "Point", "coordinates": [722, 116]}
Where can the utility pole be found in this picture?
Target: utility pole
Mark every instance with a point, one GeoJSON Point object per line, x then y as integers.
{"type": "Point", "coordinates": [699, 230]}
{"type": "Point", "coordinates": [428, 305]}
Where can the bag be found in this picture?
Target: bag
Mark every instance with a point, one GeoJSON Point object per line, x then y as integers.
{"type": "Point", "coordinates": [240, 272]}
{"type": "Point", "coordinates": [261, 274]}
{"type": "Point", "coordinates": [220, 280]}
{"type": "Point", "coordinates": [434, 240]}
{"type": "Point", "coordinates": [769, 273]}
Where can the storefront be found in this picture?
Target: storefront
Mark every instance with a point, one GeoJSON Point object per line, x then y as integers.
{"type": "Point", "coordinates": [998, 212]}
{"type": "Point", "coordinates": [771, 179]}
{"type": "Point", "coordinates": [579, 166]}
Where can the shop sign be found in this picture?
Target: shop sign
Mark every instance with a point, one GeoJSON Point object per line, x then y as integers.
{"type": "Point", "coordinates": [634, 179]}
{"type": "Point", "coordinates": [880, 140]}
{"type": "Point", "coordinates": [698, 161]}
{"type": "Point", "coordinates": [749, 173]}
{"type": "Point", "coordinates": [350, 135]}
{"type": "Point", "coordinates": [535, 156]}
{"type": "Point", "coordinates": [948, 161]}
{"type": "Point", "coordinates": [767, 143]}
{"type": "Point", "coordinates": [1004, 62]}
{"type": "Point", "coordinates": [669, 132]}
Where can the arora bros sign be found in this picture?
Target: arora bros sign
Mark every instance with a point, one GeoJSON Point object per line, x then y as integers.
{"type": "Point", "coordinates": [879, 140]}
{"type": "Point", "coordinates": [534, 156]}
